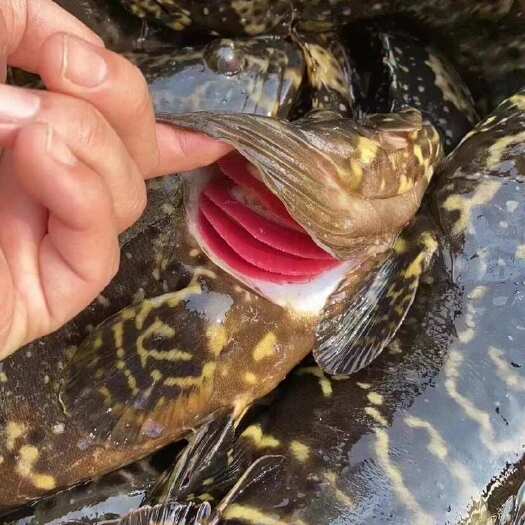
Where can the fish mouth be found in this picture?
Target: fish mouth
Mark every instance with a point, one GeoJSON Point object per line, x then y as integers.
{"type": "Point", "coordinates": [246, 230]}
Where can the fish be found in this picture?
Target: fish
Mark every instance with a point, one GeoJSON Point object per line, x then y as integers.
{"type": "Point", "coordinates": [256, 17]}
{"type": "Point", "coordinates": [432, 431]}
{"type": "Point", "coordinates": [201, 318]}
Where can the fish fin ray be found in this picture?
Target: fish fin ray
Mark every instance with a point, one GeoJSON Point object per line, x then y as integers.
{"type": "Point", "coordinates": [210, 464]}
{"type": "Point", "coordinates": [359, 322]}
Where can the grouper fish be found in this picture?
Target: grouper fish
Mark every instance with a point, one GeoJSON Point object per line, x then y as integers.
{"type": "Point", "coordinates": [223, 289]}
{"type": "Point", "coordinates": [433, 428]}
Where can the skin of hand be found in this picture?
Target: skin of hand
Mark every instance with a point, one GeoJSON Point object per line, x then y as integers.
{"type": "Point", "coordinates": [73, 160]}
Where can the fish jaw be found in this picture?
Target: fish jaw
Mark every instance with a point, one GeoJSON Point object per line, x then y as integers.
{"type": "Point", "coordinates": [302, 294]}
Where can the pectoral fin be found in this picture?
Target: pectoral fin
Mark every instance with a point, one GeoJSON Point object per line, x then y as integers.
{"type": "Point", "coordinates": [357, 324]}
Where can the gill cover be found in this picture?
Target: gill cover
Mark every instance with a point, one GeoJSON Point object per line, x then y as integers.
{"type": "Point", "coordinates": [352, 185]}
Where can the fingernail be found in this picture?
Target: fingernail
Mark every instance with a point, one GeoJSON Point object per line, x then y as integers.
{"type": "Point", "coordinates": [58, 149]}
{"type": "Point", "coordinates": [17, 104]}
{"type": "Point", "coordinates": [82, 63]}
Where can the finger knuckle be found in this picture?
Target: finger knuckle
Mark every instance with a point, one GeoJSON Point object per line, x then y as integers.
{"type": "Point", "coordinates": [91, 127]}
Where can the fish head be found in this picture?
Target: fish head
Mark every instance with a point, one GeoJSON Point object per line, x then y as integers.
{"type": "Point", "coordinates": [260, 76]}
{"type": "Point", "coordinates": [297, 206]}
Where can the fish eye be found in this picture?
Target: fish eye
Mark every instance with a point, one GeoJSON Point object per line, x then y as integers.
{"type": "Point", "coordinates": [225, 57]}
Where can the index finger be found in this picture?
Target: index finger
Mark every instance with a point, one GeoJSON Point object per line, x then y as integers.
{"type": "Point", "coordinates": [26, 24]}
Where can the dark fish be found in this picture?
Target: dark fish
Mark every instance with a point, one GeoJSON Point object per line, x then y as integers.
{"type": "Point", "coordinates": [414, 74]}
{"type": "Point", "coordinates": [423, 435]}
{"type": "Point", "coordinates": [255, 17]}
{"type": "Point", "coordinates": [217, 300]}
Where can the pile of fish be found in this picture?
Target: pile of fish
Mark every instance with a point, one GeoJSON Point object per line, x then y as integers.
{"type": "Point", "coordinates": [327, 326]}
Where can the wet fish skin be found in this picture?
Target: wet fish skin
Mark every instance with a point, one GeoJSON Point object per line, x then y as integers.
{"type": "Point", "coordinates": [254, 17]}
{"type": "Point", "coordinates": [259, 76]}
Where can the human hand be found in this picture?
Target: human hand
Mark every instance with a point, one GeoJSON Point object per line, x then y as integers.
{"type": "Point", "coordinates": [73, 166]}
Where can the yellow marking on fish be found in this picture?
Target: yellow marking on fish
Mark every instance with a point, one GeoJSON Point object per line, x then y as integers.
{"type": "Point", "coordinates": [251, 515]}
{"type": "Point", "coordinates": [518, 101]}
{"type": "Point", "coordinates": [300, 451]}
{"type": "Point", "coordinates": [364, 386]}
{"type": "Point", "coordinates": [250, 378]}
{"type": "Point", "coordinates": [357, 174]}
{"type": "Point", "coordinates": [159, 328]}
{"type": "Point", "coordinates": [396, 478]}
{"type": "Point", "coordinates": [465, 336]}
{"type": "Point", "coordinates": [437, 447]}
{"type": "Point", "coordinates": [498, 149]}
{"type": "Point", "coordinates": [449, 90]}
{"type": "Point", "coordinates": [265, 347]}
{"type": "Point", "coordinates": [186, 382]}
{"type": "Point", "coordinates": [478, 293]}
{"type": "Point", "coordinates": [418, 153]}
{"type": "Point", "coordinates": [27, 457]}
{"type": "Point", "coordinates": [520, 252]}
{"type": "Point", "coordinates": [206, 497]}
{"type": "Point", "coordinates": [3, 377]}
{"type": "Point", "coordinates": [484, 194]}
{"type": "Point", "coordinates": [194, 252]}
{"type": "Point", "coordinates": [13, 431]}
{"type": "Point", "coordinates": [324, 381]}
{"type": "Point", "coordinates": [1, 459]}
{"type": "Point", "coordinates": [375, 398]}
{"type": "Point", "coordinates": [376, 416]}
{"type": "Point", "coordinates": [156, 375]}
{"type": "Point", "coordinates": [511, 378]}
{"type": "Point", "coordinates": [367, 150]}
{"type": "Point", "coordinates": [405, 184]}
{"type": "Point", "coordinates": [217, 338]}
{"type": "Point", "coordinates": [118, 334]}
{"type": "Point", "coordinates": [98, 342]}
{"type": "Point", "coordinates": [260, 440]}
{"type": "Point", "coordinates": [338, 493]}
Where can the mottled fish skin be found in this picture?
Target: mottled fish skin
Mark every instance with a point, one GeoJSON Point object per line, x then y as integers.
{"type": "Point", "coordinates": [491, 55]}
{"type": "Point", "coordinates": [254, 17]}
{"type": "Point", "coordinates": [110, 497]}
{"type": "Point", "coordinates": [418, 75]}
{"type": "Point", "coordinates": [224, 17]}
{"type": "Point", "coordinates": [118, 30]}
{"type": "Point", "coordinates": [259, 76]}
{"type": "Point", "coordinates": [422, 435]}
{"type": "Point", "coordinates": [332, 79]}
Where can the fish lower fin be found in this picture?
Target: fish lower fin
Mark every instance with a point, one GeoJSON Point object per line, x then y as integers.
{"type": "Point", "coordinates": [136, 374]}
{"type": "Point", "coordinates": [208, 466]}
{"type": "Point", "coordinates": [173, 513]}
{"type": "Point", "coordinates": [357, 324]}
